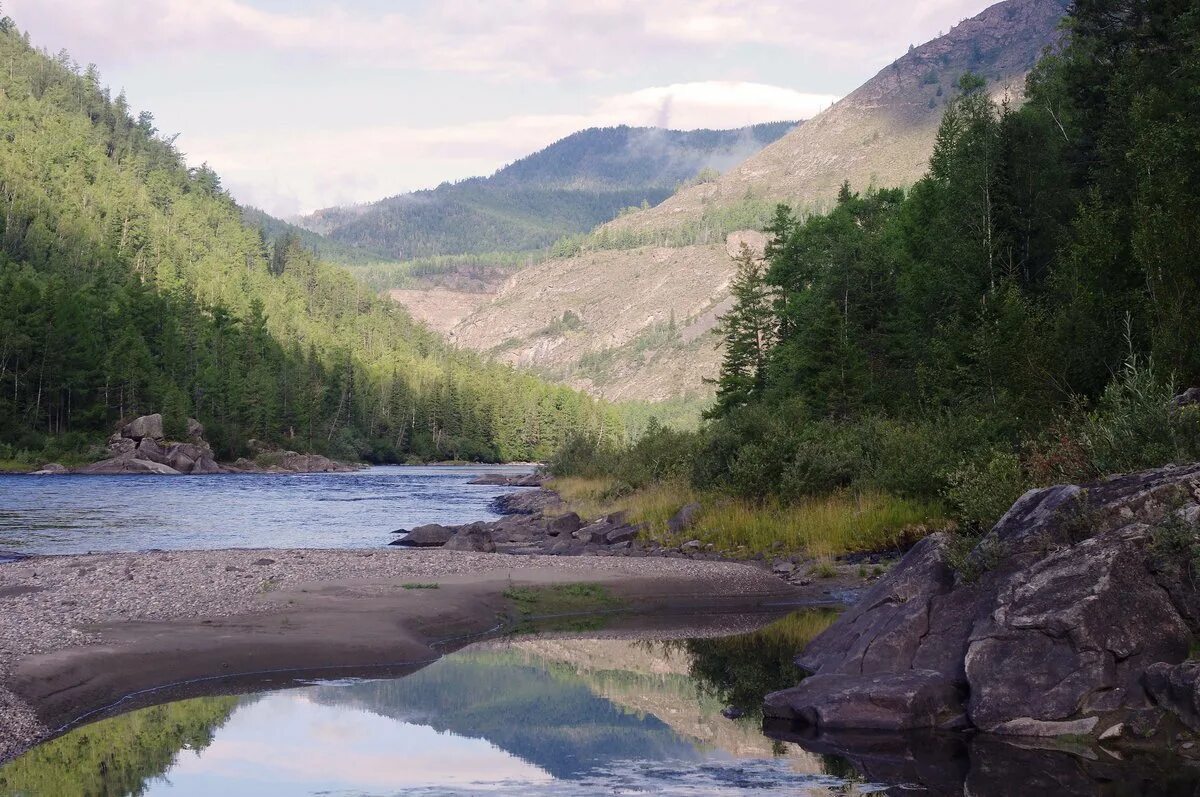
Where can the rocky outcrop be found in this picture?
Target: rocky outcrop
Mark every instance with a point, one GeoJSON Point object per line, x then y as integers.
{"type": "Point", "coordinates": [51, 469]}
{"type": "Point", "coordinates": [140, 447]}
{"type": "Point", "coordinates": [1078, 624]}
{"type": "Point", "coordinates": [509, 480]}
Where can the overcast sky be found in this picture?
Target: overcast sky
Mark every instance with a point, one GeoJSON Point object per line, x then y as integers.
{"type": "Point", "coordinates": [301, 104]}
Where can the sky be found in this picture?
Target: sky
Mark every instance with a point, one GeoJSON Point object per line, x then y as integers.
{"type": "Point", "coordinates": [300, 104]}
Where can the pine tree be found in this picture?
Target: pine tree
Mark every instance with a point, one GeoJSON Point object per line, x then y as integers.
{"type": "Point", "coordinates": [748, 331]}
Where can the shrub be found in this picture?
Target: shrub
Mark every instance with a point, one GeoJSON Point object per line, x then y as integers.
{"type": "Point", "coordinates": [980, 492]}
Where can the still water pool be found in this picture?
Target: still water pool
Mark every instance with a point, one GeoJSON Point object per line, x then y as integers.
{"type": "Point", "coordinates": [77, 514]}
{"type": "Point", "coordinates": [554, 715]}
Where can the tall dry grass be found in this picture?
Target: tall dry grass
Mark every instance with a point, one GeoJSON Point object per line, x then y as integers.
{"type": "Point", "coordinates": [840, 523]}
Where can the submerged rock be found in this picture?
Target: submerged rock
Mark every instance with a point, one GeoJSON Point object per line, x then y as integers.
{"type": "Point", "coordinates": [1074, 626]}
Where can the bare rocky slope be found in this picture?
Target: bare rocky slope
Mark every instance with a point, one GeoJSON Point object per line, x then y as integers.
{"type": "Point", "coordinates": [882, 134]}
{"type": "Point", "coordinates": [601, 320]}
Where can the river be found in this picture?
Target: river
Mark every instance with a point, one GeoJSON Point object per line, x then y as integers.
{"type": "Point", "coordinates": [78, 514]}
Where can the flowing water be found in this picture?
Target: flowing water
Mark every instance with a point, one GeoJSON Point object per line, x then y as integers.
{"type": "Point", "coordinates": [77, 514]}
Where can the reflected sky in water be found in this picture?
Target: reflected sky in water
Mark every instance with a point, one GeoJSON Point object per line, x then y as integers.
{"type": "Point", "coordinates": [285, 744]}
{"type": "Point", "coordinates": [524, 716]}
{"type": "Point", "coordinates": [77, 514]}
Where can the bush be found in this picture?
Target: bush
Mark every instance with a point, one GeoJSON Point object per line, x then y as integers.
{"type": "Point", "coordinates": [979, 493]}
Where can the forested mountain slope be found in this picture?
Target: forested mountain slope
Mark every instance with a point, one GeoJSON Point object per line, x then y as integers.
{"type": "Point", "coordinates": [882, 134]}
{"type": "Point", "coordinates": [129, 283]}
{"type": "Point", "coordinates": [567, 188]}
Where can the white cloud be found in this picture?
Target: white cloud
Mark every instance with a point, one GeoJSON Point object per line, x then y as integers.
{"type": "Point", "coordinates": [302, 171]}
{"type": "Point", "coordinates": [501, 38]}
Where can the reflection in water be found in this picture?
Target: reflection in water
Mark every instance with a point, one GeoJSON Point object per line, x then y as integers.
{"type": "Point", "coordinates": [549, 715]}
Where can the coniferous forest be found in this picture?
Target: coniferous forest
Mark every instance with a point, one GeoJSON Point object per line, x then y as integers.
{"type": "Point", "coordinates": [1023, 316]}
{"type": "Point", "coordinates": [130, 285]}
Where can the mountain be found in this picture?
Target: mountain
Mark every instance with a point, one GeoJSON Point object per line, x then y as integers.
{"type": "Point", "coordinates": [642, 293]}
{"type": "Point", "coordinates": [131, 284]}
{"type": "Point", "coordinates": [273, 229]}
{"type": "Point", "coordinates": [882, 133]}
{"type": "Point", "coordinates": [568, 188]}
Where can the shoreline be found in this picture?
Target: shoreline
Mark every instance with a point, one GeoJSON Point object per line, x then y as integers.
{"type": "Point", "coordinates": [85, 633]}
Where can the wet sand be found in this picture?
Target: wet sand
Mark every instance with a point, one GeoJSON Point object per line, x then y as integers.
{"type": "Point", "coordinates": [79, 634]}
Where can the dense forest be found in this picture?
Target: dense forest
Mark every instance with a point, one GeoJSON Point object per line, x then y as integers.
{"type": "Point", "coordinates": [129, 283]}
{"type": "Point", "coordinates": [1024, 315]}
{"type": "Point", "coordinates": [565, 189]}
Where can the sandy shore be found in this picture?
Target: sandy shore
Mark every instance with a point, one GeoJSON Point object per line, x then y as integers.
{"type": "Point", "coordinates": [79, 633]}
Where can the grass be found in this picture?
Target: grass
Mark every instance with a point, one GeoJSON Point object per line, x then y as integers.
{"type": "Point", "coordinates": [561, 599]}
{"type": "Point", "coordinates": [820, 528]}
{"type": "Point", "coordinates": [415, 585]}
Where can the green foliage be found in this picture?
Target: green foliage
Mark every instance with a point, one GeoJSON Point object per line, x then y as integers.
{"type": "Point", "coordinates": [565, 190]}
{"type": "Point", "coordinates": [981, 492]}
{"type": "Point", "coordinates": [120, 755]}
{"type": "Point", "coordinates": [992, 328]}
{"type": "Point", "coordinates": [131, 284]}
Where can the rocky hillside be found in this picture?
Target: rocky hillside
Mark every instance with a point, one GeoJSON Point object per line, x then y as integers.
{"type": "Point", "coordinates": [567, 188]}
{"type": "Point", "coordinates": [625, 324]}
{"type": "Point", "coordinates": [602, 319]}
{"type": "Point", "coordinates": [882, 134]}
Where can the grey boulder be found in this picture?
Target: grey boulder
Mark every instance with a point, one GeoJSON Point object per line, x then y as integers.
{"type": "Point", "coordinates": [431, 535]}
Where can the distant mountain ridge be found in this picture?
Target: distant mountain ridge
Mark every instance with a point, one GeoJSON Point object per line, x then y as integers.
{"type": "Point", "coordinates": [570, 187]}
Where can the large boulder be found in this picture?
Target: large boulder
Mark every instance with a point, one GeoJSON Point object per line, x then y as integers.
{"type": "Point", "coordinates": [564, 524]}
{"type": "Point", "coordinates": [146, 426]}
{"type": "Point", "coordinates": [684, 519]}
{"type": "Point", "coordinates": [475, 537]}
{"type": "Point", "coordinates": [431, 535]}
{"type": "Point", "coordinates": [123, 466]}
{"type": "Point", "coordinates": [899, 702]}
{"type": "Point", "coordinates": [1070, 627]}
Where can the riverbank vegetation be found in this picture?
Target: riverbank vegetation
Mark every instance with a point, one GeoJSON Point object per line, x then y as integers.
{"type": "Point", "coordinates": [1024, 315]}
{"type": "Point", "coordinates": [130, 283]}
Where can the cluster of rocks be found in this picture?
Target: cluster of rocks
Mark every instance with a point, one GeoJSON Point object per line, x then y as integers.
{"type": "Point", "coordinates": [534, 524]}
{"type": "Point", "coordinates": [1073, 617]}
{"type": "Point", "coordinates": [141, 447]}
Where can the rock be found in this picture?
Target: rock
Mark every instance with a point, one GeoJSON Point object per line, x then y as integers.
{"type": "Point", "coordinates": [885, 702]}
{"type": "Point", "coordinates": [51, 469]}
{"type": "Point", "coordinates": [527, 502]}
{"type": "Point", "coordinates": [475, 537]}
{"type": "Point", "coordinates": [311, 463]}
{"type": "Point", "coordinates": [564, 524]}
{"type": "Point", "coordinates": [146, 426]}
{"type": "Point", "coordinates": [263, 562]}
{"type": "Point", "coordinates": [1187, 398]}
{"type": "Point", "coordinates": [195, 430]}
{"type": "Point", "coordinates": [623, 535]}
{"type": "Point", "coordinates": [692, 546]}
{"type": "Point", "coordinates": [783, 568]}
{"type": "Point", "coordinates": [120, 466]}
{"type": "Point", "coordinates": [148, 448]}
{"type": "Point", "coordinates": [596, 533]}
{"type": "Point", "coordinates": [1176, 689]}
{"type": "Point", "coordinates": [431, 535]}
{"type": "Point", "coordinates": [1072, 620]}
{"type": "Point", "coordinates": [120, 446]}
{"type": "Point", "coordinates": [732, 713]}
{"type": "Point", "coordinates": [684, 519]}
